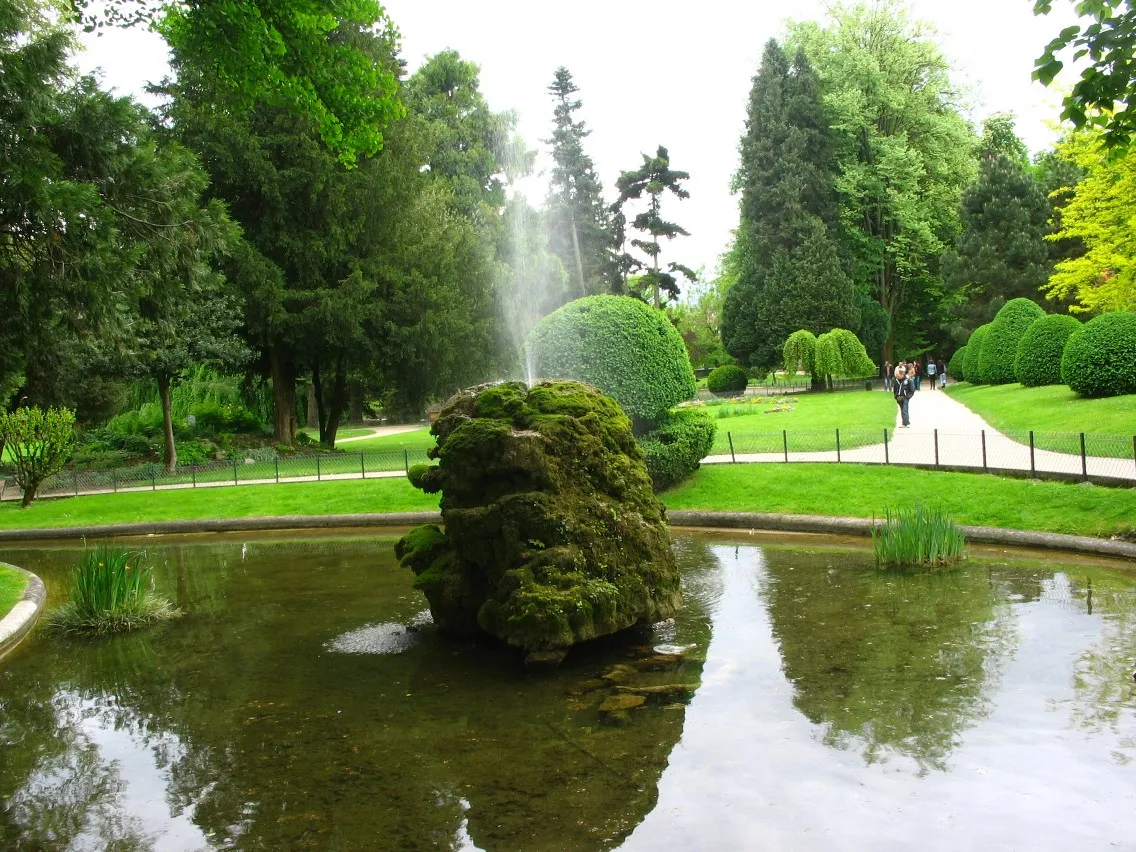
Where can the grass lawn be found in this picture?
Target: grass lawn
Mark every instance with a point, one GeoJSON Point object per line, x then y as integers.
{"type": "Point", "coordinates": [867, 490]}
{"type": "Point", "coordinates": [341, 434]}
{"type": "Point", "coordinates": [811, 426]}
{"type": "Point", "coordinates": [1056, 409]}
{"type": "Point", "coordinates": [12, 585]}
{"type": "Point", "coordinates": [808, 489]}
{"type": "Point", "coordinates": [419, 439]}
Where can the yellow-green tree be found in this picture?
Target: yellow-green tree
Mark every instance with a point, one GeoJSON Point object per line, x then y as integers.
{"type": "Point", "coordinates": [1102, 214]}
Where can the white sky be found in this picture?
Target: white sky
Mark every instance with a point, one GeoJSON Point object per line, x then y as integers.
{"type": "Point", "coordinates": [665, 72]}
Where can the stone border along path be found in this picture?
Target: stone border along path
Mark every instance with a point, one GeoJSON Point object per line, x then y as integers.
{"type": "Point", "coordinates": [959, 446]}
{"type": "Point", "coordinates": [18, 622]}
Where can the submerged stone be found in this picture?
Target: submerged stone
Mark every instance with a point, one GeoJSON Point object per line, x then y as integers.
{"type": "Point", "coordinates": [552, 532]}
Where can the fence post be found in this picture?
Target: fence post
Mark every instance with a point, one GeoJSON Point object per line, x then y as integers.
{"type": "Point", "coordinates": [153, 477]}
{"type": "Point", "coordinates": [236, 476]}
{"type": "Point", "coordinates": [886, 459]}
{"type": "Point", "coordinates": [1033, 465]}
{"type": "Point", "coordinates": [193, 474]}
{"type": "Point", "coordinates": [1134, 449]}
{"type": "Point", "coordinates": [406, 460]}
{"type": "Point", "coordinates": [984, 451]}
{"type": "Point", "coordinates": [733, 458]}
{"type": "Point", "coordinates": [75, 481]}
{"type": "Point", "coordinates": [277, 462]}
{"type": "Point", "coordinates": [785, 442]}
{"type": "Point", "coordinates": [936, 448]}
{"type": "Point", "coordinates": [362, 466]}
{"type": "Point", "coordinates": [1084, 460]}
{"type": "Point", "coordinates": [838, 446]}
{"type": "Point", "coordinates": [114, 479]}
{"type": "Point", "coordinates": [318, 474]}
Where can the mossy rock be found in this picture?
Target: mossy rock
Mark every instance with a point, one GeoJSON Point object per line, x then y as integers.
{"type": "Point", "coordinates": [553, 535]}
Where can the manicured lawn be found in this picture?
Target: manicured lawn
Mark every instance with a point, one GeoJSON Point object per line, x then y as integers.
{"type": "Point", "coordinates": [239, 501]}
{"type": "Point", "coordinates": [819, 489]}
{"type": "Point", "coordinates": [419, 439]}
{"type": "Point", "coordinates": [867, 490]}
{"type": "Point", "coordinates": [340, 435]}
{"type": "Point", "coordinates": [811, 426]}
{"type": "Point", "coordinates": [1048, 409]}
{"type": "Point", "coordinates": [12, 585]}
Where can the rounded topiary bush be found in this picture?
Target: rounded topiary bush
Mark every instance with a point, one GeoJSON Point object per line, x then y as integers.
{"type": "Point", "coordinates": [1100, 357]}
{"type": "Point", "coordinates": [674, 449]}
{"type": "Point", "coordinates": [956, 368]}
{"type": "Point", "coordinates": [622, 346]}
{"type": "Point", "coordinates": [1000, 348]}
{"type": "Point", "coordinates": [973, 351]}
{"type": "Point", "coordinates": [728, 378]}
{"type": "Point", "coordinates": [1038, 361]}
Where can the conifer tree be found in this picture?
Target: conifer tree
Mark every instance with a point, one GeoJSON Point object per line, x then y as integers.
{"type": "Point", "coordinates": [653, 178]}
{"type": "Point", "coordinates": [790, 274]}
{"type": "Point", "coordinates": [580, 231]}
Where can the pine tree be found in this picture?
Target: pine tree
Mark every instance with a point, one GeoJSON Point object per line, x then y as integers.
{"type": "Point", "coordinates": [790, 274]}
{"type": "Point", "coordinates": [580, 231]}
{"type": "Point", "coordinates": [655, 177]}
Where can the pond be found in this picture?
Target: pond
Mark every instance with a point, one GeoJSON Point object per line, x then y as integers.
{"type": "Point", "coordinates": [802, 700]}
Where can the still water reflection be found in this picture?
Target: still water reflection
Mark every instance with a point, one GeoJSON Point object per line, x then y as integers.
{"type": "Point", "coordinates": [304, 703]}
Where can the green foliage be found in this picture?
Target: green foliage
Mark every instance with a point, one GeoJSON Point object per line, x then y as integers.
{"type": "Point", "coordinates": [840, 353]}
{"type": "Point", "coordinates": [790, 275]}
{"type": "Point", "coordinates": [729, 378]}
{"type": "Point", "coordinates": [620, 345]}
{"type": "Point", "coordinates": [799, 352]}
{"type": "Point", "coordinates": [674, 449]}
{"type": "Point", "coordinates": [38, 442]}
{"type": "Point", "coordinates": [1000, 348]}
{"type": "Point", "coordinates": [974, 353]}
{"type": "Point", "coordinates": [110, 593]}
{"type": "Point", "coordinates": [1100, 357]}
{"type": "Point", "coordinates": [1038, 361]}
{"type": "Point", "coordinates": [956, 368]}
{"type": "Point", "coordinates": [918, 536]}
{"type": "Point", "coordinates": [698, 319]}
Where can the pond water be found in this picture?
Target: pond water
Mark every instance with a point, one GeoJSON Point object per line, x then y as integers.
{"type": "Point", "coordinates": [802, 700]}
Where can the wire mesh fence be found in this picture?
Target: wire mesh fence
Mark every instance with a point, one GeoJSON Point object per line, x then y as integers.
{"type": "Point", "coordinates": [1065, 455]}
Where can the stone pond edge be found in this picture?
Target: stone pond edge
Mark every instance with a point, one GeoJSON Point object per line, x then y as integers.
{"type": "Point", "coordinates": [22, 617]}
{"type": "Point", "coordinates": [679, 518]}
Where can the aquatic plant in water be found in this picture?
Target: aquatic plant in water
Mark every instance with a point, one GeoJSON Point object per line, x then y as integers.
{"type": "Point", "coordinates": [111, 593]}
{"type": "Point", "coordinates": [918, 536]}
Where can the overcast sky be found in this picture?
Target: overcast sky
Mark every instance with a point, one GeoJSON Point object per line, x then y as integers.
{"type": "Point", "coordinates": [670, 73]}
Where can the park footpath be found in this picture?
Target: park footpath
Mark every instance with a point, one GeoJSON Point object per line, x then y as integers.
{"type": "Point", "coordinates": [945, 433]}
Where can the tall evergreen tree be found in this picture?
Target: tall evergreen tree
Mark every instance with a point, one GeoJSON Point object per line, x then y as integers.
{"type": "Point", "coordinates": [790, 275]}
{"type": "Point", "coordinates": [1001, 253]}
{"type": "Point", "coordinates": [654, 178]}
{"type": "Point", "coordinates": [580, 232]}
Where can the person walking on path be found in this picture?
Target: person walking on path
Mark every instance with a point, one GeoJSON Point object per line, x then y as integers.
{"type": "Point", "coordinates": [942, 372]}
{"type": "Point", "coordinates": [915, 373]}
{"type": "Point", "coordinates": [932, 369]}
{"type": "Point", "coordinates": [887, 375]}
{"type": "Point", "coordinates": [904, 389]}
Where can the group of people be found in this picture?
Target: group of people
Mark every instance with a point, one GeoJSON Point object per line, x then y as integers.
{"type": "Point", "coordinates": [906, 378]}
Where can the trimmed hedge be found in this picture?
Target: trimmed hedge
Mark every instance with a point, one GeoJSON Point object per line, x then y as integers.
{"type": "Point", "coordinates": [1000, 348]}
{"type": "Point", "coordinates": [674, 449]}
{"type": "Point", "coordinates": [956, 368]}
{"type": "Point", "coordinates": [973, 352]}
{"type": "Point", "coordinates": [1038, 361]}
{"type": "Point", "coordinates": [622, 346]}
{"type": "Point", "coordinates": [1100, 357]}
{"type": "Point", "coordinates": [728, 378]}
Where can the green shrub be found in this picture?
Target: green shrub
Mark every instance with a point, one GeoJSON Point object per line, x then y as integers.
{"type": "Point", "coordinates": [799, 352]}
{"type": "Point", "coordinates": [1038, 361]}
{"type": "Point", "coordinates": [110, 593]}
{"type": "Point", "coordinates": [1100, 357]}
{"type": "Point", "coordinates": [145, 421]}
{"type": "Point", "coordinates": [973, 353]}
{"type": "Point", "coordinates": [918, 536]}
{"type": "Point", "coordinates": [956, 369]}
{"type": "Point", "coordinates": [37, 443]}
{"type": "Point", "coordinates": [996, 361]}
{"type": "Point", "coordinates": [213, 419]}
{"type": "Point", "coordinates": [728, 378]}
{"type": "Point", "coordinates": [839, 352]}
{"type": "Point", "coordinates": [620, 345]}
{"type": "Point", "coordinates": [674, 449]}
{"type": "Point", "coordinates": [195, 452]}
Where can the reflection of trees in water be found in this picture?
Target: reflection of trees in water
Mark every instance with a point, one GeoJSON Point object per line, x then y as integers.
{"type": "Point", "coordinates": [267, 741]}
{"type": "Point", "coordinates": [1103, 684]}
{"type": "Point", "coordinates": [886, 661]}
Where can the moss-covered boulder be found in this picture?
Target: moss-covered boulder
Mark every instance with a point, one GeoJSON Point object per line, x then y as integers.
{"type": "Point", "coordinates": [553, 535]}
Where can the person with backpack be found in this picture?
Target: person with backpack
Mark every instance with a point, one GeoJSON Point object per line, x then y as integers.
{"type": "Point", "coordinates": [904, 389]}
{"type": "Point", "coordinates": [932, 369]}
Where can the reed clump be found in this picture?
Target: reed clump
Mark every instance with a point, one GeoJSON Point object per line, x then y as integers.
{"type": "Point", "coordinates": [920, 535]}
{"type": "Point", "coordinates": [112, 592]}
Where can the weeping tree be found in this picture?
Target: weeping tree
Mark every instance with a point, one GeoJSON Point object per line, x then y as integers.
{"type": "Point", "coordinates": [799, 352]}
{"type": "Point", "coordinates": [840, 353]}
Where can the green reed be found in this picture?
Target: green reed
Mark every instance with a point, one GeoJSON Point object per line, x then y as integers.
{"type": "Point", "coordinates": [918, 536]}
{"type": "Point", "coordinates": [111, 591]}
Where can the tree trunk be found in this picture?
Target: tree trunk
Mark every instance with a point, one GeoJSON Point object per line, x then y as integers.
{"type": "Point", "coordinates": [576, 249]}
{"type": "Point", "coordinates": [655, 267]}
{"type": "Point", "coordinates": [321, 408]}
{"type": "Point", "coordinates": [356, 415]}
{"type": "Point", "coordinates": [169, 452]}
{"type": "Point", "coordinates": [338, 399]}
{"type": "Point", "coordinates": [311, 415]}
{"type": "Point", "coordinates": [283, 395]}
